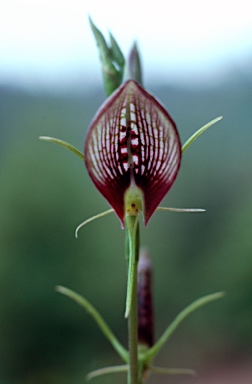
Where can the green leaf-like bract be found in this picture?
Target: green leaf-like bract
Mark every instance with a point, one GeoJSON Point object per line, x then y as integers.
{"type": "Point", "coordinates": [199, 132]}
{"type": "Point", "coordinates": [98, 319]}
{"type": "Point", "coordinates": [152, 352]}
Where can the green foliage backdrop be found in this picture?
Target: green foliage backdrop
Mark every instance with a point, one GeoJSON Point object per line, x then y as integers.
{"type": "Point", "coordinates": [45, 193]}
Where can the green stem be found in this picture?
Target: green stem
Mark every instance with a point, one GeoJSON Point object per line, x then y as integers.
{"type": "Point", "coordinates": [133, 336]}
{"type": "Point", "coordinates": [132, 254]}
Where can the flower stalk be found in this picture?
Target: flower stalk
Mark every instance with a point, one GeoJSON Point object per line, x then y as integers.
{"type": "Point", "coordinates": [131, 312]}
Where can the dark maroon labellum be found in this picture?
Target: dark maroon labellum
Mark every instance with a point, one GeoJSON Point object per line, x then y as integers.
{"type": "Point", "coordinates": [133, 141]}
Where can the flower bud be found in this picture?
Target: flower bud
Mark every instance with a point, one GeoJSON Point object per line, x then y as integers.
{"type": "Point", "coordinates": [144, 297]}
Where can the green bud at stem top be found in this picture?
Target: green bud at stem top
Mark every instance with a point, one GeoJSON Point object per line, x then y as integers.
{"type": "Point", "coordinates": [111, 58]}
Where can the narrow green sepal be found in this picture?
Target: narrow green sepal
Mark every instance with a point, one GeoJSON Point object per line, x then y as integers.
{"type": "Point", "coordinates": [111, 58]}
{"type": "Point", "coordinates": [64, 144]}
{"type": "Point", "coordinates": [102, 214]}
{"type": "Point", "coordinates": [122, 352]}
{"type": "Point", "coordinates": [199, 132]}
{"type": "Point", "coordinates": [152, 352]}
{"type": "Point", "coordinates": [133, 70]}
{"type": "Point", "coordinates": [179, 210]}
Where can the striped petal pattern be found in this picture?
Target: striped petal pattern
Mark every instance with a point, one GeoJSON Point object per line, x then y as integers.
{"type": "Point", "coordinates": [132, 141]}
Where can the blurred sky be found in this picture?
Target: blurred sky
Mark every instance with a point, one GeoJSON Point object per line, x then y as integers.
{"type": "Point", "coordinates": [50, 42]}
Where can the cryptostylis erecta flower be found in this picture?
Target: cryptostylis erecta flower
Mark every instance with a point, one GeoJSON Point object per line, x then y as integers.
{"type": "Point", "coordinates": [132, 151]}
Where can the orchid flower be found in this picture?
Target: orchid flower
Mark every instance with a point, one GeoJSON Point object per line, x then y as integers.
{"type": "Point", "coordinates": [133, 151]}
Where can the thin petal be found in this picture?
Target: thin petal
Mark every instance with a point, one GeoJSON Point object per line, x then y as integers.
{"type": "Point", "coordinates": [133, 137]}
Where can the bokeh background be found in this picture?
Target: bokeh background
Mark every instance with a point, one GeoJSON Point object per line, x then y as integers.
{"type": "Point", "coordinates": [53, 87]}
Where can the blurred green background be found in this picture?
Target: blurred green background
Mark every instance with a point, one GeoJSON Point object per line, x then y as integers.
{"type": "Point", "coordinates": [45, 193]}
